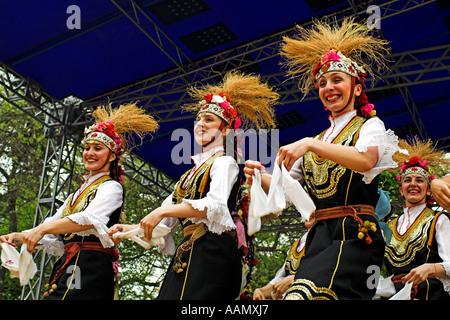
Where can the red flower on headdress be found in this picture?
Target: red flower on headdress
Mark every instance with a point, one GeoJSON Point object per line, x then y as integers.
{"type": "Point", "coordinates": [208, 97]}
{"type": "Point", "coordinates": [225, 96]}
{"type": "Point", "coordinates": [231, 112]}
{"type": "Point", "coordinates": [330, 56]}
{"type": "Point", "coordinates": [414, 162]}
{"type": "Point", "coordinates": [237, 122]}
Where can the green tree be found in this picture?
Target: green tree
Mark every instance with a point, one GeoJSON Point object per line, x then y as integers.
{"type": "Point", "coordinates": [20, 171]}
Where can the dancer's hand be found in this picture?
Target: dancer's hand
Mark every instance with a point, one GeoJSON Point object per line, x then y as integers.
{"type": "Point", "coordinates": [281, 286]}
{"type": "Point", "coordinates": [292, 152]}
{"type": "Point", "coordinates": [32, 237]}
{"type": "Point", "coordinates": [11, 239]}
{"type": "Point", "coordinates": [258, 295]}
{"type": "Point", "coordinates": [150, 221]}
{"type": "Point", "coordinates": [419, 274]}
{"type": "Point", "coordinates": [120, 228]}
{"type": "Point", "coordinates": [249, 171]}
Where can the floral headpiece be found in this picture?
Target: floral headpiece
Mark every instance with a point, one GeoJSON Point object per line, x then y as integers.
{"type": "Point", "coordinates": [334, 60]}
{"type": "Point", "coordinates": [327, 46]}
{"type": "Point", "coordinates": [220, 106]}
{"type": "Point", "coordinates": [105, 133]}
{"type": "Point", "coordinates": [417, 166]}
{"type": "Point", "coordinates": [115, 128]}
{"type": "Point", "coordinates": [242, 100]}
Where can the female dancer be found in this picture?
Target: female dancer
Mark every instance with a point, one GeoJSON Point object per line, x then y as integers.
{"type": "Point", "coordinates": [419, 249]}
{"type": "Point", "coordinates": [207, 263]}
{"type": "Point", "coordinates": [78, 230]}
{"type": "Point", "coordinates": [340, 165]}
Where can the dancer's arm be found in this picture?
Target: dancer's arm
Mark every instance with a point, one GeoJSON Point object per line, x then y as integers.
{"type": "Point", "coordinates": [346, 156]}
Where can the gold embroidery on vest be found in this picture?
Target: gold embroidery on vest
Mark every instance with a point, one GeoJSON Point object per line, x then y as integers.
{"type": "Point", "coordinates": [82, 201]}
{"type": "Point", "coordinates": [293, 258]}
{"type": "Point", "coordinates": [197, 181]}
{"type": "Point", "coordinates": [320, 180]}
{"type": "Point", "coordinates": [84, 198]}
{"type": "Point", "coordinates": [402, 249]}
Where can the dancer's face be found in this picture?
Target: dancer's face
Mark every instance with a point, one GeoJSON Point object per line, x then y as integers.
{"type": "Point", "coordinates": [97, 157]}
{"type": "Point", "coordinates": [414, 188]}
{"type": "Point", "coordinates": [207, 128]}
{"type": "Point", "coordinates": [334, 91]}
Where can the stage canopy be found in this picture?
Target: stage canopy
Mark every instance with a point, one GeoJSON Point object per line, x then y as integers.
{"type": "Point", "coordinates": [151, 51]}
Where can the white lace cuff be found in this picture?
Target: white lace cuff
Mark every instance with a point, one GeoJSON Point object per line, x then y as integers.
{"type": "Point", "coordinates": [99, 230]}
{"type": "Point", "coordinates": [445, 281]}
{"type": "Point", "coordinates": [50, 244]}
{"type": "Point", "coordinates": [218, 218]}
{"type": "Point", "coordinates": [387, 143]}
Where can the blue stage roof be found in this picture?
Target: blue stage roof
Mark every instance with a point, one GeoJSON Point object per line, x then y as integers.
{"type": "Point", "coordinates": [110, 52]}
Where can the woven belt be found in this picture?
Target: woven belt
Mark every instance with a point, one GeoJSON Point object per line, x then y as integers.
{"type": "Point", "coordinates": [72, 248]}
{"type": "Point", "coordinates": [343, 211]}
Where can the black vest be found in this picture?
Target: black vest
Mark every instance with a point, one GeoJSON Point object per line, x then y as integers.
{"type": "Point", "coordinates": [330, 184]}
{"type": "Point", "coordinates": [197, 186]}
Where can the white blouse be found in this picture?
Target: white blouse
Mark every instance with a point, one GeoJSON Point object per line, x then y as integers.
{"type": "Point", "coordinates": [108, 198]}
{"type": "Point", "coordinates": [224, 173]}
{"type": "Point", "coordinates": [373, 134]}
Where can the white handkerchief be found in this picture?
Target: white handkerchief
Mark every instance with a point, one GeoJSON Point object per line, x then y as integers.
{"type": "Point", "coordinates": [10, 259]}
{"type": "Point", "coordinates": [26, 265]}
{"type": "Point", "coordinates": [20, 265]}
{"type": "Point", "coordinates": [258, 199]}
{"type": "Point", "coordinates": [404, 294]}
{"type": "Point", "coordinates": [385, 287]}
{"type": "Point", "coordinates": [276, 201]}
{"type": "Point", "coordinates": [297, 195]}
{"type": "Point", "coordinates": [138, 235]}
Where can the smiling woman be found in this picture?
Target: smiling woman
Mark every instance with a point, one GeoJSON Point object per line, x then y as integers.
{"type": "Point", "coordinates": [207, 262]}
{"type": "Point", "coordinates": [97, 157]}
{"type": "Point", "coordinates": [339, 167]}
{"type": "Point", "coordinates": [78, 230]}
{"type": "Point", "coordinates": [419, 249]}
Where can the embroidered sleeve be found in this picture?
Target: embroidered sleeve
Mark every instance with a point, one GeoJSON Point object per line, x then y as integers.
{"type": "Point", "coordinates": [374, 134]}
{"type": "Point", "coordinates": [106, 201]}
{"type": "Point", "coordinates": [224, 173]}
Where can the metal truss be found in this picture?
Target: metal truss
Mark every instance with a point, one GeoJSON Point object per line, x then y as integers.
{"type": "Point", "coordinates": [163, 94]}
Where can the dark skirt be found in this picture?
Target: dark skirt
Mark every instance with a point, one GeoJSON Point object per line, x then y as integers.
{"type": "Point", "coordinates": [213, 271]}
{"type": "Point", "coordinates": [88, 276]}
{"type": "Point", "coordinates": [336, 262]}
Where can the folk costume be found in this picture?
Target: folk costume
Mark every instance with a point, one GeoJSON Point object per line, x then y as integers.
{"type": "Point", "coordinates": [208, 263]}
{"type": "Point", "coordinates": [88, 263]}
{"type": "Point", "coordinates": [345, 238]}
{"type": "Point", "coordinates": [420, 235]}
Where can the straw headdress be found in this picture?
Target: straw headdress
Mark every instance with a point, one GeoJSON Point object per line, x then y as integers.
{"type": "Point", "coordinates": [348, 47]}
{"type": "Point", "coordinates": [241, 100]}
{"type": "Point", "coordinates": [422, 158]}
{"type": "Point", "coordinates": [115, 127]}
